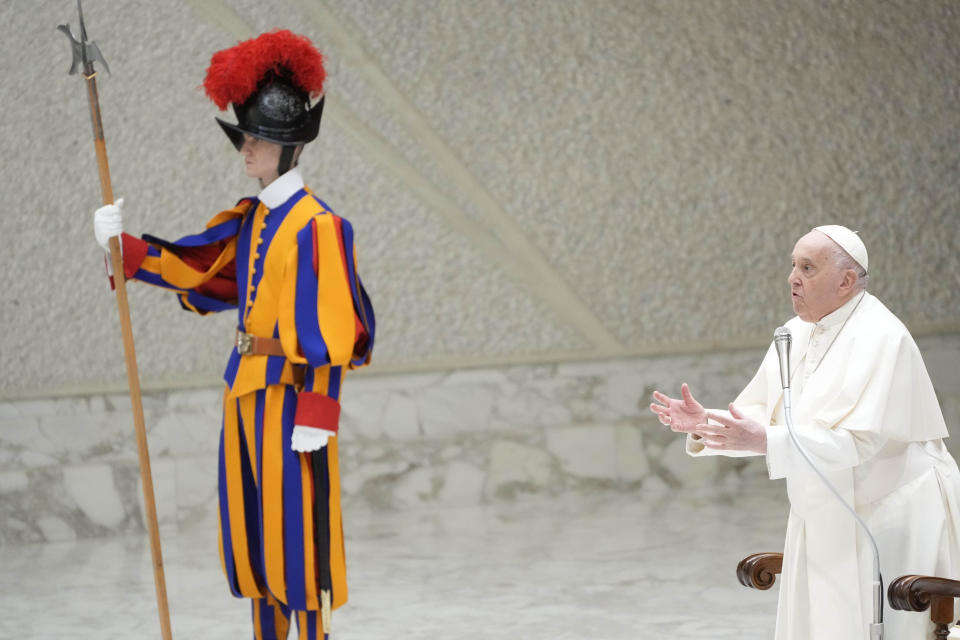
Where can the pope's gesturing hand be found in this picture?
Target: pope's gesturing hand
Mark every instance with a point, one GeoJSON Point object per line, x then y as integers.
{"type": "Point", "coordinates": [735, 432]}
{"type": "Point", "coordinates": [682, 414]}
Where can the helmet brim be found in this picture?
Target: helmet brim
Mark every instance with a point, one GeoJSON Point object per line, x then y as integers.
{"type": "Point", "coordinates": [302, 135]}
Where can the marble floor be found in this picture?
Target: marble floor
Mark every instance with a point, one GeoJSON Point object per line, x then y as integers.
{"type": "Point", "coordinates": [604, 564]}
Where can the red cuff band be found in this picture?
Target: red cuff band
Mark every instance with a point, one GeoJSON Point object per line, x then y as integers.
{"type": "Point", "coordinates": [134, 251]}
{"type": "Point", "coordinates": [317, 410]}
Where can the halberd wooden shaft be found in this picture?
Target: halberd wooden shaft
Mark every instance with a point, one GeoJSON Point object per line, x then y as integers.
{"type": "Point", "coordinates": [130, 355]}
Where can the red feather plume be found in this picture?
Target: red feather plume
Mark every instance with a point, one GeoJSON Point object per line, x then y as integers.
{"type": "Point", "coordinates": [234, 73]}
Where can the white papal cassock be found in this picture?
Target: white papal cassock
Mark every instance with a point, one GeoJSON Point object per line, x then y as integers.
{"type": "Point", "coordinates": [865, 410]}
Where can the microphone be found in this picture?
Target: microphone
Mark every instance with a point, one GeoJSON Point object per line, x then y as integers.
{"type": "Point", "coordinates": [781, 341]}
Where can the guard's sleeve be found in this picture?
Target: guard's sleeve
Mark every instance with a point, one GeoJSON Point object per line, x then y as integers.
{"type": "Point", "coordinates": [200, 268]}
{"type": "Point", "coordinates": [325, 317]}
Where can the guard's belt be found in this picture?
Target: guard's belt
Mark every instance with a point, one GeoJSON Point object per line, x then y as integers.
{"type": "Point", "coordinates": [251, 345]}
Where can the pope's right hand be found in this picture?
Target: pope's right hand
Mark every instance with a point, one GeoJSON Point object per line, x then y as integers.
{"type": "Point", "coordinates": [108, 222]}
{"type": "Point", "coordinates": [680, 414]}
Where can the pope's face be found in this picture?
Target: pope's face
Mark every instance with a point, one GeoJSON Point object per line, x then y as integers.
{"type": "Point", "coordinates": [816, 283]}
{"type": "Point", "coordinates": [261, 158]}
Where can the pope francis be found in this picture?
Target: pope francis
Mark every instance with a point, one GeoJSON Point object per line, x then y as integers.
{"type": "Point", "coordinates": [865, 410]}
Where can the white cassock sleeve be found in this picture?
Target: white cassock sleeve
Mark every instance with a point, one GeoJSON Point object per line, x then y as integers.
{"type": "Point", "coordinates": [829, 449]}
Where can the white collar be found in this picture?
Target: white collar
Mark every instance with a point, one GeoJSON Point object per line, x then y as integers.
{"type": "Point", "coordinates": [280, 190]}
{"type": "Point", "coordinates": [840, 314]}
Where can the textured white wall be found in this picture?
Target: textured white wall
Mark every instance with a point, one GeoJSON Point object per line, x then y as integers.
{"type": "Point", "coordinates": [530, 181]}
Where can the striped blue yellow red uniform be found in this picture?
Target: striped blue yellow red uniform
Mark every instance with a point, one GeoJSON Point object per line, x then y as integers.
{"type": "Point", "coordinates": [291, 274]}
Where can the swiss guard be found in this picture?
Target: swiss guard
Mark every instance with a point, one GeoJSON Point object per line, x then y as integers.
{"type": "Point", "coordinates": [287, 266]}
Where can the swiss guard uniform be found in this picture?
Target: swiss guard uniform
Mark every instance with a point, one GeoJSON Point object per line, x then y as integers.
{"type": "Point", "coordinates": [287, 264]}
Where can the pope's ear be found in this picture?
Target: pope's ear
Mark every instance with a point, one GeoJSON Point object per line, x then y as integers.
{"type": "Point", "coordinates": [849, 281]}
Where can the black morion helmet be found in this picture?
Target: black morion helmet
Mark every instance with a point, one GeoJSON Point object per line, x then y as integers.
{"type": "Point", "coordinates": [277, 112]}
{"type": "Point", "coordinates": [269, 81]}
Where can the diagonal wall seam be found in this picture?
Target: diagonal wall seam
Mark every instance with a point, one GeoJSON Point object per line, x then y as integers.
{"type": "Point", "coordinates": [512, 249]}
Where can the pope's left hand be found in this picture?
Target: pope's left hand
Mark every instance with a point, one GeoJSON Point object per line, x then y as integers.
{"type": "Point", "coordinates": [306, 439]}
{"type": "Point", "coordinates": [736, 432]}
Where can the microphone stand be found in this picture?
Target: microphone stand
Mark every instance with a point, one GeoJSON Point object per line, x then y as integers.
{"type": "Point", "coordinates": [782, 339]}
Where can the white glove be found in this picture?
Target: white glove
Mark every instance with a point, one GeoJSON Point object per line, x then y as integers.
{"type": "Point", "coordinates": [309, 438]}
{"type": "Point", "coordinates": [107, 222]}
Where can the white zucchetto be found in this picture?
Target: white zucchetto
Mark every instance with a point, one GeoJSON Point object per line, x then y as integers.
{"type": "Point", "coordinates": [848, 240]}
